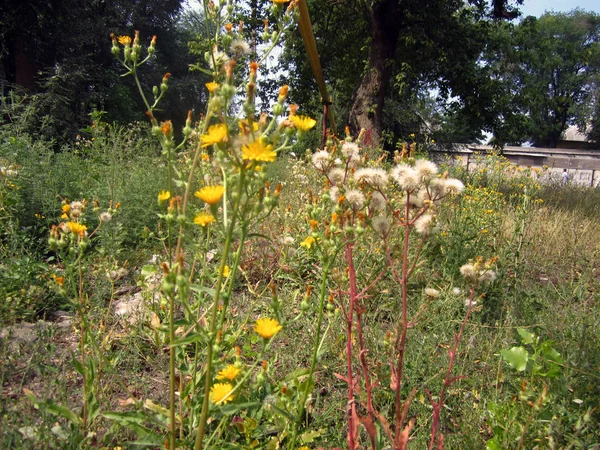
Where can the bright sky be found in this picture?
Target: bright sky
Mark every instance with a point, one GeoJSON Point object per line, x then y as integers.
{"type": "Point", "coordinates": [538, 7]}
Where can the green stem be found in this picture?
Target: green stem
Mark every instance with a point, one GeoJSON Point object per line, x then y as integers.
{"type": "Point", "coordinates": [213, 321]}
{"type": "Point", "coordinates": [313, 362]}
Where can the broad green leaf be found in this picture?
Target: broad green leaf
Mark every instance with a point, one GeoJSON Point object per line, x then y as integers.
{"type": "Point", "coordinates": [204, 289]}
{"type": "Point", "coordinates": [517, 357]}
{"type": "Point", "coordinates": [526, 336]}
{"type": "Point", "coordinates": [148, 271]}
{"type": "Point", "coordinates": [310, 436]}
{"type": "Point", "coordinates": [62, 411]}
{"type": "Point", "coordinates": [492, 444]}
{"type": "Point", "coordinates": [550, 352]}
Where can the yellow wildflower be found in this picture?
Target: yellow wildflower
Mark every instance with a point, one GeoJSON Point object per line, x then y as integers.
{"type": "Point", "coordinates": [205, 157]}
{"type": "Point", "coordinates": [64, 216]}
{"type": "Point", "coordinates": [280, 2]}
{"type": "Point", "coordinates": [303, 123]}
{"type": "Point", "coordinates": [77, 228]}
{"type": "Point", "coordinates": [228, 373]}
{"type": "Point", "coordinates": [210, 194]}
{"type": "Point", "coordinates": [164, 195]}
{"type": "Point", "coordinates": [258, 151]}
{"type": "Point", "coordinates": [124, 40]}
{"type": "Point", "coordinates": [226, 271]}
{"type": "Point", "coordinates": [214, 135]}
{"type": "Point", "coordinates": [219, 393]}
{"type": "Point", "coordinates": [245, 126]}
{"type": "Point", "coordinates": [308, 242]}
{"type": "Point", "coordinates": [204, 219]}
{"type": "Point", "coordinates": [267, 328]}
{"type": "Point", "coordinates": [66, 208]}
{"type": "Point", "coordinates": [212, 86]}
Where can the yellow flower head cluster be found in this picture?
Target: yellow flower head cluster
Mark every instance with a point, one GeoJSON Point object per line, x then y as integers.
{"type": "Point", "coordinates": [124, 40]}
{"type": "Point", "coordinates": [258, 151]}
{"type": "Point", "coordinates": [212, 86]}
{"type": "Point", "coordinates": [267, 328]}
{"type": "Point", "coordinates": [214, 135]}
{"type": "Point", "coordinates": [163, 196]}
{"type": "Point", "coordinates": [77, 228]}
{"type": "Point", "coordinates": [204, 219]}
{"type": "Point", "coordinates": [210, 194]}
{"type": "Point", "coordinates": [228, 373]}
{"type": "Point", "coordinates": [303, 123]}
{"type": "Point", "coordinates": [219, 393]}
{"type": "Point", "coordinates": [308, 242]}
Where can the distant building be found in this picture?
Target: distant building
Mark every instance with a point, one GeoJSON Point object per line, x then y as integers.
{"type": "Point", "coordinates": [572, 138]}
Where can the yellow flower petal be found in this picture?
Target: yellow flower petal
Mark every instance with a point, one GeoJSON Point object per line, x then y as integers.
{"type": "Point", "coordinates": [214, 135]}
{"type": "Point", "coordinates": [204, 219]}
{"type": "Point", "coordinates": [258, 151]}
{"type": "Point", "coordinates": [303, 123]}
{"type": "Point", "coordinates": [267, 328]}
{"type": "Point", "coordinates": [210, 194]}
{"type": "Point", "coordinates": [219, 393]}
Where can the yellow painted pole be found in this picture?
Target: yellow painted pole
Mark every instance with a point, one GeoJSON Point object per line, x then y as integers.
{"type": "Point", "coordinates": [310, 44]}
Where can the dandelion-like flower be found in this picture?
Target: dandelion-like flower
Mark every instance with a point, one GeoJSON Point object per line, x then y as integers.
{"type": "Point", "coordinates": [308, 242]}
{"type": "Point", "coordinates": [228, 373]}
{"type": "Point", "coordinates": [240, 47]}
{"type": "Point", "coordinates": [303, 123]}
{"type": "Point", "coordinates": [77, 228]}
{"type": "Point", "coordinates": [454, 186]}
{"type": "Point", "coordinates": [258, 151]}
{"type": "Point", "coordinates": [336, 175]}
{"type": "Point", "coordinates": [287, 240]}
{"type": "Point", "coordinates": [211, 86]}
{"type": "Point", "coordinates": [426, 170]}
{"type": "Point", "coordinates": [334, 194]}
{"type": "Point", "coordinates": [468, 271]}
{"type": "Point", "coordinates": [124, 40]}
{"type": "Point", "coordinates": [350, 149]}
{"type": "Point", "coordinates": [377, 178]}
{"type": "Point", "coordinates": [406, 177]}
{"type": "Point", "coordinates": [267, 328]}
{"type": "Point", "coordinates": [210, 194]}
{"type": "Point", "coordinates": [355, 198]}
{"type": "Point", "coordinates": [377, 201]}
{"type": "Point", "coordinates": [217, 59]}
{"type": "Point", "coordinates": [487, 276]}
{"type": "Point", "coordinates": [381, 225]}
{"type": "Point", "coordinates": [66, 208]}
{"type": "Point", "coordinates": [219, 393]}
{"type": "Point", "coordinates": [204, 219]}
{"type": "Point", "coordinates": [424, 224]}
{"type": "Point", "coordinates": [215, 134]}
{"type": "Point", "coordinates": [321, 159]}
{"type": "Point", "coordinates": [105, 217]}
{"type": "Point", "coordinates": [163, 196]}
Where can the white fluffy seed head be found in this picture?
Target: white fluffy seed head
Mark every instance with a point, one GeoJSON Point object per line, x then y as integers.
{"type": "Point", "coordinates": [468, 271]}
{"type": "Point", "coordinates": [424, 224]}
{"type": "Point", "coordinates": [350, 149]}
{"type": "Point", "coordinates": [425, 169]}
{"type": "Point", "coordinates": [406, 177]}
{"type": "Point", "coordinates": [336, 176]}
{"type": "Point", "coordinates": [377, 201]}
{"type": "Point", "coordinates": [321, 159]}
{"type": "Point", "coordinates": [454, 186]}
{"type": "Point", "coordinates": [355, 198]}
{"type": "Point", "coordinates": [378, 178]}
{"type": "Point", "coordinates": [334, 194]}
{"type": "Point", "coordinates": [381, 225]}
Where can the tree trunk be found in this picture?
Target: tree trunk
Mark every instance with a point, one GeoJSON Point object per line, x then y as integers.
{"type": "Point", "coordinates": [369, 97]}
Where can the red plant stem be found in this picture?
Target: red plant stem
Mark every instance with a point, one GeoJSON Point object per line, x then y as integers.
{"type": "Point", "coordinates": [437, 406]}
{"type": "Point", "coordinates": [403, 325]}
{"type": "Point", "coordinates": [352, 426]}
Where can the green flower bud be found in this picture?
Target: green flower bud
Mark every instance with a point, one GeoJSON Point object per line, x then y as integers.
{"type": "Point", "coordinates": [181, 219]}
{"type": "Point", "coordinates": [304, 306]}
{"type": "Point", "coordinates": [278, 109]}
{"type": "Point", "coordinates": [168, 288]}
{"type": "Point", "coordinates": [181, 281]}
{"type": "Point", "coordinates": [155, 91]}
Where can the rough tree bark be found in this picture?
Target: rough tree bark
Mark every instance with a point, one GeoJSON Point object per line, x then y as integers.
{"type": "Point", "coordinates": [367, 106]}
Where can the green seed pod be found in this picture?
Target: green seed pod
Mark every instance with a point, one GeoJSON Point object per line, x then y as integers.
{"type": "Point", "coordinates": [168, 288]}
{"type": "Point", "coordinates": [181, 281]}
{"type": "Point", "coordinates": [304, 306]}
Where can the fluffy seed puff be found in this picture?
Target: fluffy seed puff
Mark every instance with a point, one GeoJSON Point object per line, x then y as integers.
{"type": "Point", "coordinates": [426, 170]}
{"type": "Point", "coordinates": [336, 176]}
{"type": "Point", "coordinates": [377, 178]}
{"type": "Point", "coordinates": [355, 198]}
{"type": "Point", "coordinates": [377, 202]}
{"type": "Point", "coordinates": [381, 225]}
{"type": "Point", "coordinates": [321, 159]}
{"type": "Point", "coordinates": [406, 177]}
{"type": "Point", "coordinates": [425, 224]}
